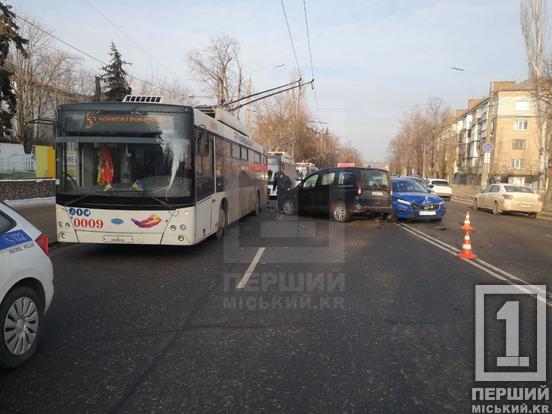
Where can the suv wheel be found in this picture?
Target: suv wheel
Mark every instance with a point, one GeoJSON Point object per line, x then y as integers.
{"type": "Point", "coordinates": [20, 317]}
{"type": "Point", "coordinates": [496, 209]}
{"type": "Point", "coordinates": [339, 212]}
{"type": "Point", "coordinates": [475, 206]}
{"type": "Point", "coordinates": [289, 207]}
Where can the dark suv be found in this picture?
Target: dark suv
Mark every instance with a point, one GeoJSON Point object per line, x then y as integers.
{"type": "Point", "coordinates": [342, 192]}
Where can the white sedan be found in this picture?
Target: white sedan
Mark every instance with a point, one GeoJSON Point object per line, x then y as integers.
{"type": "Point", "coordinates": [508, 198]}
{"type": "Point", "coordinates": [440, 187]}
{"type": "Point", "coordinates": [26, 286]}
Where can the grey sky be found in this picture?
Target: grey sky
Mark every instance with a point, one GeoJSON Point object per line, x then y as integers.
{"type": "Point", "coordinates": [372, 59]}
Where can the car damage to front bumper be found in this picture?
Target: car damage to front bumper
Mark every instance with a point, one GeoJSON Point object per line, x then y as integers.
{"type": "Point", "coordinates": [419, 212]}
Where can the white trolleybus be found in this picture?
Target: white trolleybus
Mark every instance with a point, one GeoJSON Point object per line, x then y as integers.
{"type": "Point", "coordinates": [279, 161]}
{"type": "Point", "coordinates": [144, 172]}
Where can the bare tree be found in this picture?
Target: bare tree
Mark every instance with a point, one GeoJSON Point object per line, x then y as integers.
{"type": "Point", "coordinates": [219, 67]}
{"type": "Point", "coordinates": [284, 123]}
{"type": "Point", "coordinates": [419, 148]}
{"type": "Point", "coordinates": [436, 117]}
{"type": "Point", "coordinates": [172, 90]}
{"type": "Point", "coordinates": [45, 77]}
{"type": "Point", "coordinates": [533, 16]}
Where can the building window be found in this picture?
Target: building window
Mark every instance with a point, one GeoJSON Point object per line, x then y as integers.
{"type": "Point", "coordinates": [517, 164]}
{"type": "Point", "coordinates": [520, 125]}
{"type": "Point", "coordinates": [519, 144]}
{"type": "Point", "coordinates": [522, 105]}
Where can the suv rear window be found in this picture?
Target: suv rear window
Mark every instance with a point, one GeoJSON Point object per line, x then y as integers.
{"type": "Point", "coordinates": [374, 180]}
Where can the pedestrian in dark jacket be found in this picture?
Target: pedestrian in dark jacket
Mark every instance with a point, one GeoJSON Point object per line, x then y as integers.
{"type": "Point", "coordinates": [282, 184]}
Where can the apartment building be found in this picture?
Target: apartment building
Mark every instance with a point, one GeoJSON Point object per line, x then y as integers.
{"type": "Point", "coordinates": [507, 120]}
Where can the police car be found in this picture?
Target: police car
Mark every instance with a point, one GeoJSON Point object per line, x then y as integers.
{"type": "Point", "coordinates": [26, 287]}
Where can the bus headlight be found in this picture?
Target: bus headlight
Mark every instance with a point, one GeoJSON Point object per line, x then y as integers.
{"type": "Point", "coordinates": [173, 227]}
{"type": "Point", "coordinates": [181, 238]}
{"type": "Point", "coordinates": [182, 227]}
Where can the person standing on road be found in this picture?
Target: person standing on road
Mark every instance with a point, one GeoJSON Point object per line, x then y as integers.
{"type": "Point", "coordinates": [282, 184]}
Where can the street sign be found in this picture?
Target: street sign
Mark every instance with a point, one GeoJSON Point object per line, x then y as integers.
{"type": "Point", "coordinates": [487, 158]}
{"type": "Point", "coordinates": [488, 147]}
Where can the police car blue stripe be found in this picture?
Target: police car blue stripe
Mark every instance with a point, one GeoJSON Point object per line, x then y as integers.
{"type": "Point", "coordinates": [13, 238]}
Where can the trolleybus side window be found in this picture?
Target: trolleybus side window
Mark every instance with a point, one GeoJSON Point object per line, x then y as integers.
{"type": "Point", "coordinates": [244, 179]}
{"type": "Point", "coordinates": [226, 176]}
{"type": "Point", "coordinates": [220, 170]}
{"type": "Point", "coordinates": [204, 171]}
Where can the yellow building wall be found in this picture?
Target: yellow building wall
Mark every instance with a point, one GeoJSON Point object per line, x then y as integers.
{"type": "Point", "coordinates": [45, 162]}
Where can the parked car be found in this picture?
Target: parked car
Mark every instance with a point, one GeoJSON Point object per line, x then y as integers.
{"type": "Point", "coordinates": [412, 201]}
{"type": "Point", "coordinates": [26, 287]}
{"type": "Point", "coordinates": [508, 198]}
{"type": "Point", "coordinates": [343, 192]}
{"type": "Point", "coordinates": [440, 187]}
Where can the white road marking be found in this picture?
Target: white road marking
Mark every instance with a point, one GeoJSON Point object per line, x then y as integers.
{"type": "Point", "coordinates": [251, 268]}
{"type": "Point", "coordinates": [478, 263]}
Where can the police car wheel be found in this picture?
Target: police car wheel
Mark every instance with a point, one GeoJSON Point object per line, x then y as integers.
{"type": "Point", "coordinates": [20, 318]}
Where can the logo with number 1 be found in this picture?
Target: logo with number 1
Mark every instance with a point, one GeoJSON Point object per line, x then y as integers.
{"type": "Point", "coordinates": [509, 313]}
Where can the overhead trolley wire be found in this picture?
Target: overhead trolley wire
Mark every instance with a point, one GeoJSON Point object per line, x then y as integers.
{"type": "Point", "coordinates": [291, 39]}
{"type": "Point", "coordinates": [86, 53]}
{"type": "Point", "coordinates": [310, 58]}
{"type": "Point", "coordinates": [131, 40]}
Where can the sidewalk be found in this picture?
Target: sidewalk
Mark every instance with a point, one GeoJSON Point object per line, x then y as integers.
{"type": "Point", "coordinates": [41, 212]}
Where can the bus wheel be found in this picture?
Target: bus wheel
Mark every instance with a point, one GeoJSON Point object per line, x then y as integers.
{"type": "Point", "coordinates": [257, 210]}
{"type": "Point", "coordinates": [221, 225]}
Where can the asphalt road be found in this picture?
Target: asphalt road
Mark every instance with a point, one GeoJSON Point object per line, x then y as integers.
{"type": "Point", "coordinates": [369, 316]}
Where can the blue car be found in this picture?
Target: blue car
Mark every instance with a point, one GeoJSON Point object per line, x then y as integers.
{"type": "Point", "coordinates": [412, 201]}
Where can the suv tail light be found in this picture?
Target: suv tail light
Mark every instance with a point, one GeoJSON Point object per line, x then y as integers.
{"type": "Point", "coordinates": [508, 196]}
{"type": "Point", "coordinates": [42, 241]}
{"type": "Point", "coordinates": [359, 191]}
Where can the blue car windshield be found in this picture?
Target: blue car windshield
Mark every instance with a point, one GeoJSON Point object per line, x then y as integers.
{"type": "Point", "coordinates": [408, 186]}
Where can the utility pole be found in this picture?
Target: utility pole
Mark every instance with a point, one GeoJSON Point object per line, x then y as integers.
{"type": "Point", "coordinates": [486, 167]}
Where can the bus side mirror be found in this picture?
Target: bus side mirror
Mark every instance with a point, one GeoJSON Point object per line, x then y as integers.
{"type": "Point", "coordinates": [202, 141]}
{"type": "Point", "coordinates": [28, 135]}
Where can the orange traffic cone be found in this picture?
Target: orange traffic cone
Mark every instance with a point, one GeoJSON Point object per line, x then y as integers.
{"type": "Point", "coordinates": [466, 252]}
{"type": "Point", "coordinates": [467, 224]}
